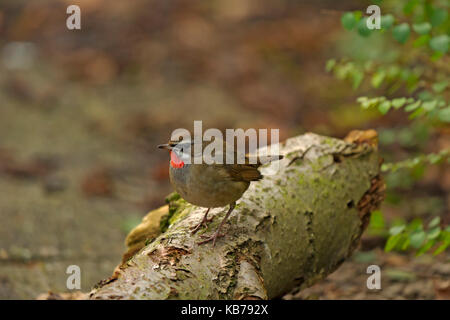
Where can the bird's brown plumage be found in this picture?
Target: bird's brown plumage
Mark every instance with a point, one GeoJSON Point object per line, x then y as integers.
{"type": "Point", "coordinates": [212, 185]}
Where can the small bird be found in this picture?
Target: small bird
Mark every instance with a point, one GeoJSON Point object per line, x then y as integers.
{"type": "Point", "coordinates": [211, 185]}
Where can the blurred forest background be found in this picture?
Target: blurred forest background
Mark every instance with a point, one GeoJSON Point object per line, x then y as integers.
{"type": "Point", "coordinates": [81, 113]}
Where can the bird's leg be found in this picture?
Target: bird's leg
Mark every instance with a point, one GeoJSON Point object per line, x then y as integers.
{"type": "Point", "coordinates": [204, 222]}
{"type": "Point", "coordinates": [217, 234]}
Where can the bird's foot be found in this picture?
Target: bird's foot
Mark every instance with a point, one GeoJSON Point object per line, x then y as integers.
{"type": "Point", "coordinates": [204, 222]}
{"type": "Point", "coordinates": [217, 234]}
{"type": "Point", "coordinates": [212, 238]}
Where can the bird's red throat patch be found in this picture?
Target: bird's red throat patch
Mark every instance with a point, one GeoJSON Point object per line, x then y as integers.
{"type": "Point", "coordinates": [175, 162]}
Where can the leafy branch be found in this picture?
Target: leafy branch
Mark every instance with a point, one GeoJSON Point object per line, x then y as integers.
{"type": "Point", "coordinates": [407, 55]}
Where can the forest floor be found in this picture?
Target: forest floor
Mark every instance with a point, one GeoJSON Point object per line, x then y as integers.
{"type": "Point", "coordinates": [403, 276]}
{"type": "Point", "coordinates": [81, 117]}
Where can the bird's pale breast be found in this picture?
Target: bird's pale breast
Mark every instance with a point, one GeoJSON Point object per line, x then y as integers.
{"type": "Point", "coordinates": [206, 186]}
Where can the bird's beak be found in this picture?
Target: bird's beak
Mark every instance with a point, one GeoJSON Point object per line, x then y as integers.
{"type": "Point", "coordinates": [165, 146]}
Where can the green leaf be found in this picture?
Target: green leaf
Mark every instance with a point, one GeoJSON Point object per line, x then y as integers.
{"type": "Point", "coordinates": [434, 233]}
{"type": "Point", "coordinates": [393, 71]}
{"type": "Point", "coordinates": [387, 21]}
{"type": "Point", "coordinates": [446, 234]}
{"type": "Point", "coordinates": [368, 65]}
{"type": "Point", "coordinates": [348, 20]}
{"type": "Point", "coordinates": [398, 102]}
{"type": "Point", "coordinates": [412, 81]}
{"type": "Point", "coordinates": [444, 114]}
{"type": "Point", "coordinates": [405, 244]}
{"type": "Point", "coordinates": [401, 32]}
{"type": "Point", "coordinates": [440, 43]}
{"type": "Point", "coordinates": [344, 70]}
{"type": "Point", "coordinates": [429, 105]}
{"type": "Point", "coordinates": [415, 225]}
{"type": "Point", "coordinates": [391, 242]}
{"type": "Point", "coordinates": [362, 100]}
{"type": "Point", "coordinates": [397, 230]}
{"type": "Point", "coordinates": [425, 95]}
{"type": "Point", "coordinates": [357, 76]}
{"type": "Point", "coordinates": [434, 158]}
{"type": "Point", "coordinates": [436, 55]}
{"type": "Point", "coordinates": [413, 106]}
{"type": "Point", "coordinates": [358, 14]}
{"type": "Point", "coordinates": [435, 222]}
{"type": "Point", "coordinates": [425, 247]}
{"type": "Point", "coordinates": [417, 238]}
{"type": "Point", "coordinates": [438, 16]}
{"type": "Point", "coordinates": [378, 78]}
{"type": "Point", "coordinates": [409, 6]}
{"type": "Point", "coordinates": [421, 41]}
{"type": "Point", "coordinates": [441, 248]}
{"type": "Point", "coordinates": [330, 65]}
{"type": "Point", "coordinates": [384, 107]}
{"type": "Point", "coordinates": [362, 28]}
{"type": "Point", "coordinates": [444, 245]}
{"type": "Point", "coordinates": [440, 86]}
{"type": "Point", "coordinates": [377, 220]}
{"type": "Point", "coordinates": [365, 102]}
{"type": "Point", "coordinates": [417, 113]}
{"type": "Point", "coordinates": [422, 28]}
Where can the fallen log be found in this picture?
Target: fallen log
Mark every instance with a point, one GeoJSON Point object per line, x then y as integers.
{"type": "Point", "coordinates": [288, 230]}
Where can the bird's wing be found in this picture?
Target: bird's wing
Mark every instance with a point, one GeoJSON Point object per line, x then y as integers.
{"type": "Point", "coordinates": [248, 171]}
{"type": "Point", "coordinates": [242, 172]}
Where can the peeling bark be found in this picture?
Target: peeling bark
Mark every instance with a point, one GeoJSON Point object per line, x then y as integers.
{"type": "Point", "coordinates": [290, 229]}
